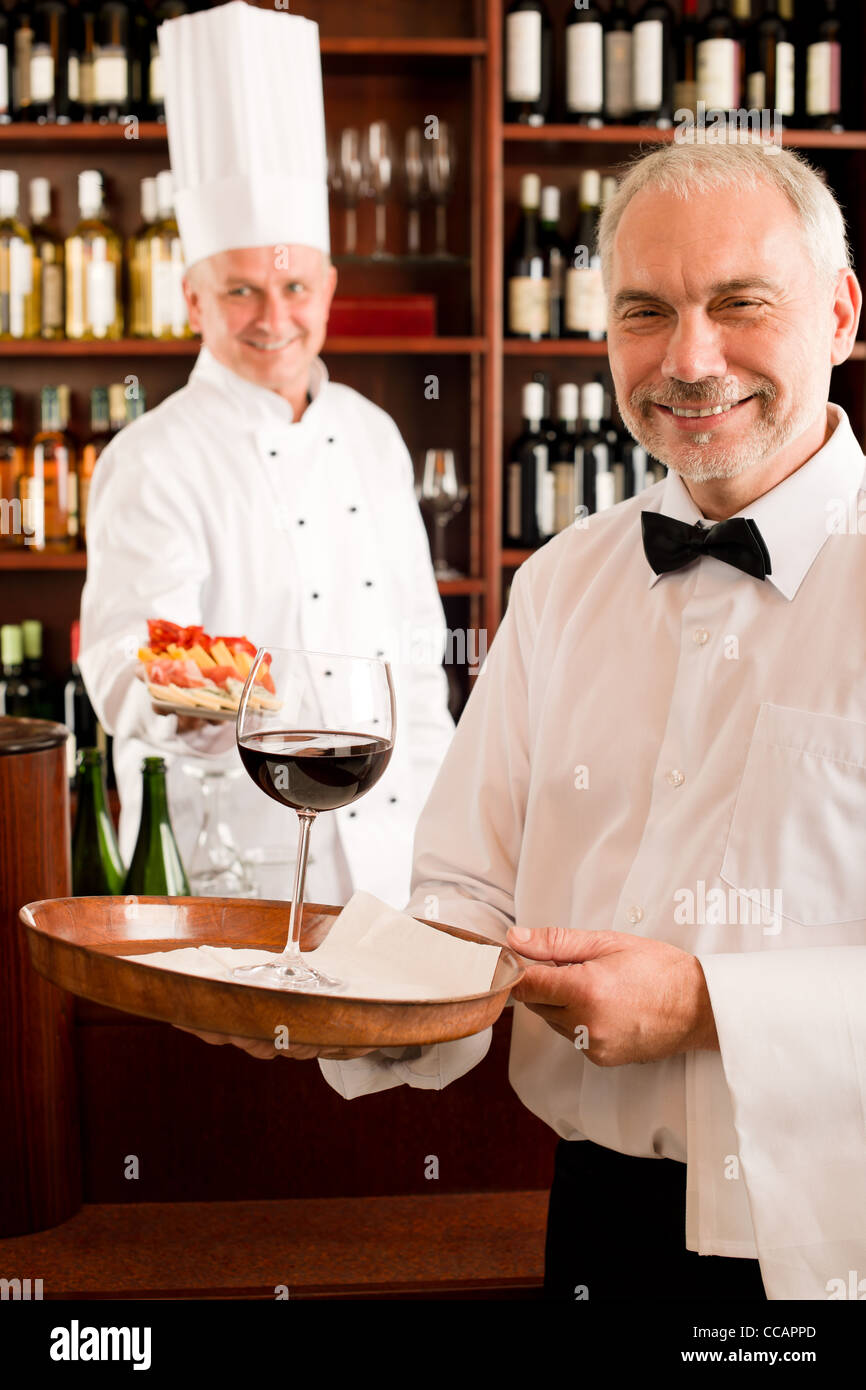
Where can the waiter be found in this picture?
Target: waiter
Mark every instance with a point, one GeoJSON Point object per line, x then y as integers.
{"type": "Point", "coordinates": [262, 498]}
{"type": "Point", "coordinates": [656, 791]}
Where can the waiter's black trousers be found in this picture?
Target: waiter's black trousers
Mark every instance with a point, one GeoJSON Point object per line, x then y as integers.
{"type": "Point", "coordinates": [616, 1230]}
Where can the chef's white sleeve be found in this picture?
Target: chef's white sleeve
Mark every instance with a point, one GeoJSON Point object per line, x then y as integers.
{"type": "Point", "coordinates": [467, 846]}
{"type": "Point", "coordinates": [792, 1032]}
{"type": "Point", "coordinates": [146, 558]}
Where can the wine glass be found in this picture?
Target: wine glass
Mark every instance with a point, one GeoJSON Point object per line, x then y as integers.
{"type": "Point", "coordinates": [378, 163]}
{"type": "Point", "coordinates": [215, 868]}
{"type": "Point", "coordinates": [348, 179]}
{"type": "Point", "coordinates": [314, 731]}
{"type": "Point", "coordinates": [413, 176]}
{"type": "Point", "coordinates": [444, 495]}
{"type": "Point", "coordinates": [441, 156]}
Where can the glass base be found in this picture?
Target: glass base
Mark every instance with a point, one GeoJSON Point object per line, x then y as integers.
{"type": "Point", "coordinates": [288, 973]}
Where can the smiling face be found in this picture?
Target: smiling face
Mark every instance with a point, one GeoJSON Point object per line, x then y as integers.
{"type": "Point", "coordinates": [263, 312]}
{"type": "Point", "coordinates": [716, 306]}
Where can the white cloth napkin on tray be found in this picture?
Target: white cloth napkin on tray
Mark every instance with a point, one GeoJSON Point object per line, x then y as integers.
{"type": "Point", "coordinates": [380, 953]}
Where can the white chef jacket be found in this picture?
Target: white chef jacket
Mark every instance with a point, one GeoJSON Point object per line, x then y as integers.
{"type": "Point", "coordinates": [216, 507]}
{"type": "Point", "coordinates": [637, 754]}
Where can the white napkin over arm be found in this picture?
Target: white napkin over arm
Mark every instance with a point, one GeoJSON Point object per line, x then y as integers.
{"type": "Point", "coordinates": [792, 1031]}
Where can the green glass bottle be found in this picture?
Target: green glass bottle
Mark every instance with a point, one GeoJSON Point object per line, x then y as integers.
{"type": "Point", "coordinates": [155, 869]}
{"type": "Point", "coordinates": [97, 868]}
{"type": "Point", "coordinates": [42, 699]}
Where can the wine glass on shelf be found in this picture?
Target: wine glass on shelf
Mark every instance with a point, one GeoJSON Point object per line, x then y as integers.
{"type": "Point", "coordinates": [443, 495]}
{"type": "Point", "coordinates": [315, 731]}
{"type": "Point", "coordinates": [378, 165]}
{"type": "Point", "coordinates": [215, 868]}
{"type": "Point", "coordinates": [413, 177]}
{"type": "Point", "coordinates": [348, 180]}
{"type": "Point", "coordinates": [441, 157]}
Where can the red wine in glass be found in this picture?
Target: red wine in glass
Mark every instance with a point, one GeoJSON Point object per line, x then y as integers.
{"type": "Point", "coordinates": [315, 731]}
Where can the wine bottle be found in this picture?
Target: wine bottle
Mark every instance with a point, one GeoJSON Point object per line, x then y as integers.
{"type": "Point", "coordinates": [138, 248]}
{"type": "Point", "coordinates": [585, 305]}
{"type": "Point", "coordinates": [42, 702]}
{"type": "Point", "coordinates": [529, 483]}
{"type": "Point", "coordinates": [49, 64]}
{"type": "Point", "coordinates": [100, 434]}
{"type": "Point", "coordinates": [653, 65]}
{"type": "Point", "coordinates": [12, 461]}
{"type": "Point", "coordinates": [5, 69]}
{"type": "Point", "coordinates": [47, 261]}
{"type": "Point", "coordinates": [93, 267]}
{"type": "Point", "coordinates": [111, 63]}
{"type": "Point", "coordinates": [743, 32]}
{"type": "Point", "coordinates": [14, 691]}
{"type": "Point", "coordinates": [719, 61]}
{"type": "Point", "coordinates": [771, 85]}
{"type": "Point", "coordinates": [156, 868]}
{"type": "Point", "coordinates": [18, 307]}
{"type": "Point", "coordinates": [528, 283]}
{"type": "Point", "coordinates": [614, 444]}
{"type": "Point", "coordinates": [824, 70]}
{"type": "Point", "coordinates": [584, 64]}
{"type": "Point", "coordinates": [567, 479]}
{"type": "Point", "coordinates": [548, 428]}
{"type": "Point", "coordinates": [135, 405]}
{"type": "Point", "coordinates": [22, 50]}
{"type": "Point", "coordinates": [165, 313]}
{"type": "Point", "coordinates": [79, 716]}
{"type": "Point", "coordinates": [528, 62]}
{"type": "Point", "coordinates": [81, 66]}
{"type": "Point", "coordinates": [798, 43]}
{"type": "Point", "coordinates": [49, 486]}
{"type": "Point", "coordinates": [618, 105]}
{"type": "Point", "coordinates": [97, 868]}
{"type": "Point", "coordinates": [686, 84]}
{"type": "Point", "coordinates": [593, 455]}
{"type": "Point", "coordinates": [553, 249]}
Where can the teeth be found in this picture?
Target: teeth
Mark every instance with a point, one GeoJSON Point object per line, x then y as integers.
{"type": "Point", "coordinates": [701, 414]}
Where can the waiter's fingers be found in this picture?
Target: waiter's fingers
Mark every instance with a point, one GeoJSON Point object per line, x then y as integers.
{"type": "Point", "coordinates": [567, 944]}
{"type": "Point", "coordinates": [541, 985]}
{"type": "Point", "coordinates": [557, 1019]}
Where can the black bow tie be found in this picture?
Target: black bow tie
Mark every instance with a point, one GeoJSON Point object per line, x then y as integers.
{"type": "Point", "coordinates": [670, 544]}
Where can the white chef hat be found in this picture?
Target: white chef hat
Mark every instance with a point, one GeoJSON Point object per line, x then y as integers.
{"type": "Point", "coordinates": [246, 129]}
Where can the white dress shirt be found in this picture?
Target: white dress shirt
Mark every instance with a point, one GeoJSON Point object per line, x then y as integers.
{"type": "Point", "coordinates": [638, 754]}
{"type": "Point", "coordinates": [218, 507]}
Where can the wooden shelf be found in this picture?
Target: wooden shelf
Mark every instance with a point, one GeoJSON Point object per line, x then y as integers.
{"type": "Point", "coordinates": [555, 134]}
{"type": "Point", "coordinates": [512, 558]}
{"type": "Point", "coordinates": [188, 347]}
{"type": "Point", "coordinates": [553, 347]}
{"type": "Point", "coordinates": [461, 586]}
{"type": "Point", "coordinates": [407, 48]}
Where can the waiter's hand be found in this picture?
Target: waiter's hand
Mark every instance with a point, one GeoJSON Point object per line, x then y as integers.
{"type": "Point", "coordinates": [619, 998]}
{"type": "Point", "coordinates": [257, 1047]}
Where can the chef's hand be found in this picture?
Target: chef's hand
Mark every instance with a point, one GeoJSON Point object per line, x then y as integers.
{"type": "Point", "coordinates": [257, 1047]}
{"type": "Point", "coordinates": [618, 998]}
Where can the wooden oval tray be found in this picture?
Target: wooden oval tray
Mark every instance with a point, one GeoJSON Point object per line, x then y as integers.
{"type": "Point", "coordinates": [79, 944]}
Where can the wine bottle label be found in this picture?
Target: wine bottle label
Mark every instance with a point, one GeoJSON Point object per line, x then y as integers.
{"type": "Point", "coordinates": [4, 79]}
{"type": "Point", "coordinates": [72, 500]}
{"type": "Point", "coordinates": [161, 296]}
{"type": "Point", "coordinates": [618, 470]}
{"type": "Point", "coordinates": [756, 91]}
{"type": "Point", "coordinates": [155, 78]}
{"type": "Point", "coordinates": [23, 48]}
{"type": "Point", "coordinates": [605, 491]}
{"type": "Point", "coordinates": [523, 56]}
{"type": "Point", "coordinates": [647, 64]}
{"type": "Point", "coordinates": [41, 75]}
{"type": "Point", "coordinates": [685, 96]}
{"type": "Point", "coordinates": [52, 295]}
{"type": "Point", "coordinates": [33, 510]}
{"type": "Point", "coordinates": [785, 67]}
{"type": "Point", "coordinates": [823, 79]}
{"type": "Point", "coordinates": [514, 500]}
{"type": "Point", "coordinates": [617, 67]}
{"type": "Point", "coordinates": [543, 492]}
{"type": "Point", "coordinates": [585, 302]}
{"type": "Point", "coordinates": [718, 74]}
{"type": "Point", "coordinates": [528, 305]}
{"type": "Point", "coordinates": [110, 76]}
{"type": "Point", "coordinates": [100, 291]}
{"type": "Point", "coordinates": [86, 82]}
{"type": "Point", "coordinates": [20, 267]}
{"type": "Point", "coordinates": [584, 47]}
{"type": "Point", "coordinates": [73, 85]}
{"type": "Point", "coordinates": [563, 500]}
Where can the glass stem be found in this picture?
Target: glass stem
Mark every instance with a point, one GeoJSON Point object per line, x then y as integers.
{"type": "Point", "coordinates": [381, 228]}
{"type": "Point", "coordinates": [293, 945]}
{"type": "Point", "coordinates": [441, 230]}
{"type": "Point", "coordinates": [351, 231]}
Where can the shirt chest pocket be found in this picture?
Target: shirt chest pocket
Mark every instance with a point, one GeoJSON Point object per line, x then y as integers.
{"type": "Point", "coordinates": [798, 823]}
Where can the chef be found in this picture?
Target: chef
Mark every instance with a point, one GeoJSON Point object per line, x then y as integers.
{"type": "Point", "coordinates": [656, 791]}
{"type": "Point", "coordinates": [262, 498]}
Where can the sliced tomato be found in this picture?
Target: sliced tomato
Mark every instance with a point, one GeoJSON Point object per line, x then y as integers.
{"type": "Point", "coordinates": [264, 678]}
{"type": "Point", "coordinates": [161, 633]}
{"type": "Point", "coordinates": [238, 644]}
{"type": "Point", "coordinates": [220, 674]}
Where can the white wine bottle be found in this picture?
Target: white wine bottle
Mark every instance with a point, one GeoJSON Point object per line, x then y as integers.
{"type": "Point", "coordinates": [47, 261]}
{"type": "Point", "coordinates": [94, 260]}
{"type": "Point", "coordinates": [139, 264]}
{"type": "Point", "coordinates": [166, 309]}
{"type": "Point", "coordinates": [19, 315]}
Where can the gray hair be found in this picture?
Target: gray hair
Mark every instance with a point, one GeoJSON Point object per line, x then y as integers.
{"type": "Point", "coordinates": [683, 169]}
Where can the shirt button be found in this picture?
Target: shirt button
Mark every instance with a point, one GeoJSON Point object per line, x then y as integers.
{"type": "Point", "coordinates": [330, 439]}
{"type": "Point", "coordinates": [392, 799]}
{"type": "Point", "coordinates": [273, 453]}
{"type": "Point", "coordinates": [634, 915]}
{"type": "Point", "coordinates": [700, 636]}
{"type": "Point", "coordinates": [301, 521]}
{"type": "Point", "coordinates": [353, 509]}
{"type": "Point", "coordinates": [315, 595]}
{"type": "Point", "coordinates": [353, 813]}
{"type": "Point", "coordinates": [368, 583]}
{"type": "Point", "coordinates": [675, 777]}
